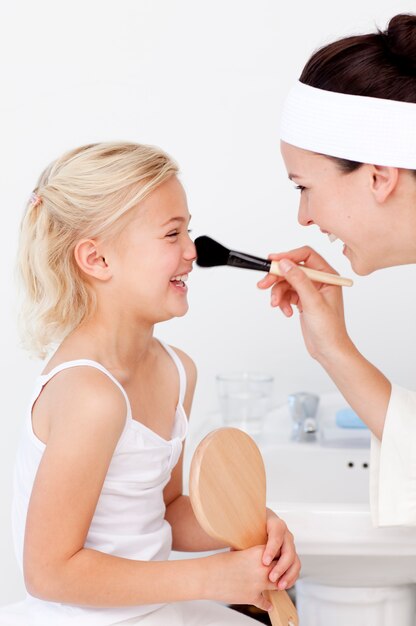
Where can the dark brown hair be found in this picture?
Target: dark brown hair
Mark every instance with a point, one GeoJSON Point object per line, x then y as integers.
{"type": "Point", "coordinates": [378, 65]}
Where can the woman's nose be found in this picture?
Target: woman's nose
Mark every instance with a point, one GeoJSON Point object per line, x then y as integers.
{"type": "Point", "coordinates": [303, 216]}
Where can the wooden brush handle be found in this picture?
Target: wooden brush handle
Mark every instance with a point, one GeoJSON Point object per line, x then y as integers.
{"type": "Point", "coordinates": [316, 275]}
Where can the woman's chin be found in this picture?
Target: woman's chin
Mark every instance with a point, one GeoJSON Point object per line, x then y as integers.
{"type": "Point", "coordinates": [361, 268]}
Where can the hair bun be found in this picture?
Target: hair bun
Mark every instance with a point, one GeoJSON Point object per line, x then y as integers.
{"type": "Point", "coordinates": [400, 38]}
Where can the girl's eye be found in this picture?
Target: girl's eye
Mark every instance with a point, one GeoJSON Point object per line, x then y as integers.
{"type": "Point", "coordinates": [175, 233]}
{"type": "Point", "coordinates": [300, 188]}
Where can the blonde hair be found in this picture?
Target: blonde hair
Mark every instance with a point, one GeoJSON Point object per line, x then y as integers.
{"type": "Point", "coordinates": [83, 194]}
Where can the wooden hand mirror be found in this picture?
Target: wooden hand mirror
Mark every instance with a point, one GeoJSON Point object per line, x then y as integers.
{"type": "Point", "coordinates": [227, 488]}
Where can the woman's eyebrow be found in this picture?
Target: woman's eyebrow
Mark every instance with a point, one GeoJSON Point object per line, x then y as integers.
{"type": "Point", "coordinates": [292, 176]}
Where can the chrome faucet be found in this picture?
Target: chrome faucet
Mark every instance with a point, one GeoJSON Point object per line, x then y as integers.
{"type": "Point", "coordinates": [303, 408]}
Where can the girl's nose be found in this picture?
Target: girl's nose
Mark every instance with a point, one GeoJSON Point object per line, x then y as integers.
{"type": "Point", "coordinates": [189, 252]}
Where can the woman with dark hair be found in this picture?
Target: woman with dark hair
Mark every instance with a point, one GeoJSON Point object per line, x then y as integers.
{"type": "Point", "coordinates": [349, 143]}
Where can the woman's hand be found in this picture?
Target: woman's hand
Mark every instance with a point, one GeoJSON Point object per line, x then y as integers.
{"type": "Point", "coordinates": [320, 306]}
{"type": "Point", "coordinates": [281, 548]}
{"type": "Point", "coordinates": [321, 310]}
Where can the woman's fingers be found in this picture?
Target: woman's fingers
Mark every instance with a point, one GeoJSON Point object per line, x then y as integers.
{"type": "Point", "coordinates": [269, 280]}
{"type": "Point", "coordinates": [306, 255]}
{"type": "Point", "coordinates": [290, 289]}
{"type": "Point", "coordinates": [300, 283]}
{"type": "Point", "coordinates": [281, 295]}
{"type": "Point", "coordinates": [283, 288]}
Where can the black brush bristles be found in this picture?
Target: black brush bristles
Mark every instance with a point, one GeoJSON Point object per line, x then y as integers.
{"type": "Point", "coordinates": [210, 252]}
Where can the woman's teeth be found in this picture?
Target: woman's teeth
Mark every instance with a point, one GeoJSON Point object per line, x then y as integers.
{"type": "Point", "coordinates": [332, 237]}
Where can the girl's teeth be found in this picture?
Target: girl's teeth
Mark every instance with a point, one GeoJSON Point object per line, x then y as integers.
{"type": "Point", "coordinates": [182, 278]}
{"type": "Point", "coordinates": [332, 237]}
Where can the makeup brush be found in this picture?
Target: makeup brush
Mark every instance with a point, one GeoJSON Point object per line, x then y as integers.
{"type": "Point", "coordinates": [211, 253]}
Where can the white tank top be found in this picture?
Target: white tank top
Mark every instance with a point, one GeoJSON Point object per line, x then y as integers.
{"type": "Point", "coordinates": [129, 518]}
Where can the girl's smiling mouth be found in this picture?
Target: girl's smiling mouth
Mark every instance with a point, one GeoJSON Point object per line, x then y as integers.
{"type": "Point", "coordinates": [179, 281]}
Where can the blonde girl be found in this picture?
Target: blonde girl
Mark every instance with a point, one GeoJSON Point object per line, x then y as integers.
{"type": "Point", "coordinates": [104, 255]}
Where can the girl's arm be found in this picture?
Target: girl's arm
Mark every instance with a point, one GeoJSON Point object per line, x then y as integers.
{"type": "Point", "coordinates": [83, 434]}
{"type": "Point", "coordinates": [187, 534]}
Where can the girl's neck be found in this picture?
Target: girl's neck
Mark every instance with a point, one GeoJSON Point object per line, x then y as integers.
{"type": "Point", "coordinates": [122, 349]}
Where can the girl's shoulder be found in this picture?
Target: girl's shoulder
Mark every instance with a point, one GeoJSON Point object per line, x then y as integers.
{"type": "Point", "coordinates": [78, 392]}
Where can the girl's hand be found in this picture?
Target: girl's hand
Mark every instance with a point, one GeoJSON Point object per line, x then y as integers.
{"type": "Point", "coordinates": [281, 548]}
{"type": "Point", "coordinates": [239, 577]}
{"type": "Point", "coordinates": [320, 306]}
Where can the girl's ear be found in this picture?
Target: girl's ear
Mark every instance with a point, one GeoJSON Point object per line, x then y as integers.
{"type": "Point", "coordinates": [384, 181]}
{"type": "Point", "coordinates": [90, 260]}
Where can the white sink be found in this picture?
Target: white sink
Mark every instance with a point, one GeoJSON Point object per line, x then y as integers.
{"type": "Point", "coordinates": [308, 473]}
{"type": "Point", "coordinates": [321, 490]}
{"type": "Point", "coordinates": [325, 504]}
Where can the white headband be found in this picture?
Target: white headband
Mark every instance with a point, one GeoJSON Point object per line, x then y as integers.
{"type": "Point", "coordinates": [358, 128]}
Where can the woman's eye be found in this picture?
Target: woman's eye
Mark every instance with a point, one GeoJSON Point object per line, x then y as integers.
{"type": "Point", "coordinates": [300, 188]}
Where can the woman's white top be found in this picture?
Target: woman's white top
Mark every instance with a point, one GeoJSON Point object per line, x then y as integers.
{"type": "Point", "coordinates": [393, 463]}
{"type": "Point", "coordinates": [129, 520]}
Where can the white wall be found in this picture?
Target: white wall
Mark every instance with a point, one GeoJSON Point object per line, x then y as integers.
{"type": "Point", "coordinates": [204, 80]}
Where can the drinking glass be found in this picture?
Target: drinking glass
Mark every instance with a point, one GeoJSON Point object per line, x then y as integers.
{"type": "Point", "coordinates": [244, 399]}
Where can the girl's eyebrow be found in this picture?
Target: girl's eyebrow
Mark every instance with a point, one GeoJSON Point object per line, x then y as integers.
{"type": "Point", "coordinates": [292, 176]}
{"type": "Point", "coordinates": [177, 219]}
